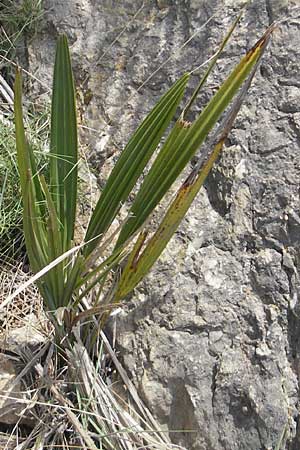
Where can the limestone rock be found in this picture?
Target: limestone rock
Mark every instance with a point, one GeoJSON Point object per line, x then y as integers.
{"type": "Point", "coordinates": [31, 334]}
{"type": "Point", "coordinates": [212, 336]}
{"type": "Point", "coordinates": [11, 405]}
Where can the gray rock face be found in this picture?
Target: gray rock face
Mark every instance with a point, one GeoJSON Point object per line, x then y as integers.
{"type": "Point", "coordinates": [212, 336]}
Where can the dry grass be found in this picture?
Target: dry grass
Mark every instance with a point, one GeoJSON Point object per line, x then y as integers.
{"type": "Point", "coordinates": [77, 404]}
{"type": "Point", "coordinates": [27, 303]}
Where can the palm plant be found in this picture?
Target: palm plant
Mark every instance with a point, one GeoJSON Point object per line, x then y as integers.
{"type": "Point", "coordinates": [50, 207]}
{"type": "Point", "coordinates": [111, 262]}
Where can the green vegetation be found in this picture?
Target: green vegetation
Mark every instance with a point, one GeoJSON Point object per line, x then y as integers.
{"type": "Point", "coordinates": [20, 15]}
{"type": "Point", "coordinates": [50, 209]}
{"type": "Point", "coordinates": [18, 19]}
{"type": "Point", "coordinates": [11, 230]}
{"type": "Point", "coordinates": [110, 262]}
{"type": "Point", "coordinates": [10, 202]}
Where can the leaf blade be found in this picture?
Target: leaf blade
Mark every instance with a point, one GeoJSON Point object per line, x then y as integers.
{"type": "Point", "coordinates": [63, 143]}
{"type": "Point", "coordinates": [132, 162]}
{"type": "Point", "coordinates": [171, 160]}
{"type": "Point", "coordinates": [138, 264]}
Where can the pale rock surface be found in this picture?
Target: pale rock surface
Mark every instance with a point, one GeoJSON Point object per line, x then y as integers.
{"type": "Point", "coordinates": [11, 404]}
{"type": "Point", "coordinates": [211, 338]}
{"type": "Point", "coordinates": [15, 343]}
{"type": "Point", "coordinates": [32, 333]}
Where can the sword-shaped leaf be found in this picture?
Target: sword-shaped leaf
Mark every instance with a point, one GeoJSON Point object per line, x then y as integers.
{"type": "Point", "coordinates": [63, 145]}
{"type": "Point", "coordinates": [184, 141]}
{"type": "Point", "coordinates": [30, 187]}
{"type": "Point", "coordinates": [132, 162]}
{"type": "Point", "coordinates": [49, 217]}
{"type": "Point", "coordinates": [211, 65]}
{"type": "Point", "coordinates": [140, 262]}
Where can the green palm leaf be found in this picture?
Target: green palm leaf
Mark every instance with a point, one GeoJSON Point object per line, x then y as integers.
{"type": "Point", "coordinates": [63, 154]}
{"type": "Point", "coordinates": [183, 142]}
{"type": "Point", "coordinates": [140, 262]}
{"type": "Point", "coordinates": [132, 162]}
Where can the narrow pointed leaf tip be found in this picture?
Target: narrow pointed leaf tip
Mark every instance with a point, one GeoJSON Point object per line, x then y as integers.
{"type": "Point", "coordinates": [141, 260]}
{"type": "Point", "coordinates": [182, 145]}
